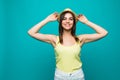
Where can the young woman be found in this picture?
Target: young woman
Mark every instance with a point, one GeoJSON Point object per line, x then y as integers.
{"type": "Point", "coordinates": [67, 45]}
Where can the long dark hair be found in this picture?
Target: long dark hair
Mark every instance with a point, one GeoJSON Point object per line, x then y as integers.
{"type": "Point", "coordinates": [73, 30]}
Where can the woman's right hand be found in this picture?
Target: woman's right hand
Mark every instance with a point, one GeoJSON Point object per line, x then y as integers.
{"type": "Point", "coordinates": [52, 17]}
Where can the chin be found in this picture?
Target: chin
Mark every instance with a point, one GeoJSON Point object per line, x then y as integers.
{"type": "Point", "coordinates": [67, 29]}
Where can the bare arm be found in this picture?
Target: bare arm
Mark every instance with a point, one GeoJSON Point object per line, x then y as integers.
{"type": "Point", "coordinates": [43, 37]}
{"type": "Point", "coordinates": [100, 32]}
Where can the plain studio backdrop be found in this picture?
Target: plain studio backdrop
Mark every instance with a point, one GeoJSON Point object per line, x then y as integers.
{"type": "Point", "coordinates": [25, 58]}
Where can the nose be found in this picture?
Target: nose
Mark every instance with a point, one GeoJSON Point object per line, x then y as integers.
{"type": "Point", "coordinates": [67, 20]}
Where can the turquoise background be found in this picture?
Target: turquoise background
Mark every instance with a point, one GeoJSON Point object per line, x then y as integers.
{"type": "Point", "coordinates": [25, 58]}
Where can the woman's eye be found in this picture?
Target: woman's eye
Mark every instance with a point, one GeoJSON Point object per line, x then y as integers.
{"type": "Point", "coordinates": [71, 18]}
{"type": "Point", "coordinates": [64, 18]}
{"type": "Point", "coordinates": [68, 18]}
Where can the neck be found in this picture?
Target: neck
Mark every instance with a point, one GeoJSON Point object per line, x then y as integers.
{"type": "Point", "coordinates": [67, 33]}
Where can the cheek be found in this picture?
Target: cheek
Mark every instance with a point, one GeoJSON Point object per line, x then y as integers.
{"type": "Point", "coordinates": [62, 25]}
{"type": "Point", "coordinates": [72, 22]}
{"type": "Point", "coordinates": [63, 22]}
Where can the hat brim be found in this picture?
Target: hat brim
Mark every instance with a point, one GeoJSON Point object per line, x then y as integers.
{"type": "Point", "coordinates": [69, 11]}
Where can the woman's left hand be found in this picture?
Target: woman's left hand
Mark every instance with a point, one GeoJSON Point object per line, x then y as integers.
{"type": "Point", "coordinates": [82, 18]}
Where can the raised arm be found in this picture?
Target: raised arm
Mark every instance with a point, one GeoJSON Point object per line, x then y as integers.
{"type": "Point", "coordinates": [43, 37]}
{"type": "Point", "coordinates": [100, 32]}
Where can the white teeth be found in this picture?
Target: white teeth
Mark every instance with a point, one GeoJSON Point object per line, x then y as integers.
{"type": "Point", "coordinates": [67, 25]}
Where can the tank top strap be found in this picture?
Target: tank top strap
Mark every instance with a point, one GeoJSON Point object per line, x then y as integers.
{"type": "Point", "coordinates": [57, 40]}
{"type": "Point", "coordinates": [78, 42]}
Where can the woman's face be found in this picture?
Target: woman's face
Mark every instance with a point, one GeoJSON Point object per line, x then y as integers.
{"type": "Point", "coordinates": [67, 21]}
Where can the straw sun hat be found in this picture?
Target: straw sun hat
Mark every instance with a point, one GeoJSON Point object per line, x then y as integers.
{"type": "Point", "coordinates": [68, 10]}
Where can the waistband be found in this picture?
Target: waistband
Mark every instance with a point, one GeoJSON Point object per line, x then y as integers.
{"type": "Point", "coordinates": [70, 73]}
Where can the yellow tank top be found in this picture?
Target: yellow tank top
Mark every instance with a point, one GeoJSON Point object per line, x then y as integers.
{"type": "Point", "coordinates": [68, 57]}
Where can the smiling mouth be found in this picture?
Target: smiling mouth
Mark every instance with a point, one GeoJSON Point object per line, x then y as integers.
{"type": "Point", "coordinates": [67, 25]}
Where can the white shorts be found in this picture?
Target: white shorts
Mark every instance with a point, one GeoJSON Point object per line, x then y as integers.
{"type": "Point", "coordinates": [77, 75]}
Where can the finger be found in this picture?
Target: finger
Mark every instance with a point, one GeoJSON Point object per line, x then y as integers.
{"type": "Point", "coordinates": [55, 13]}
{"type": "Point", "coordinates": [80, 15]}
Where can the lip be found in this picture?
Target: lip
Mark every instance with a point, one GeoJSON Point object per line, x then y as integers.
{"type": "Point", "coordinates": [67, 25]}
